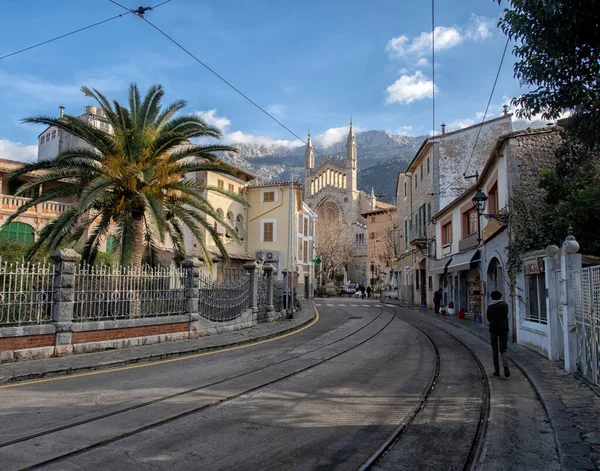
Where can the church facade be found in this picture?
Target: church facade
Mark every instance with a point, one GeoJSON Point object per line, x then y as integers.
{"type": "Point", "coordinates": [330, 190]}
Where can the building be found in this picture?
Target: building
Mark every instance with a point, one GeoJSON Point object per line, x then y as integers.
{"type": "Point", "coordinates": [26, 227]}
{"type": "Point", "coordinates": [236, 216]}
{"type": "Point", "coordinates": [442, 169]}
{"type": "Point", "coordinates": [472, 249]}
{"type": "Point", "coordinates": [330, 189]}
{"type": "Point", "coordinates": [282, 231]}
{"type": "Point", "coordinates": [53, 140]}
{"type": "Point", "coordinates": [381, 245]}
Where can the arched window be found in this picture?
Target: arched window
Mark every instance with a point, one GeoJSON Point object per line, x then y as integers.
{"type": "Point", "coordinates": [230, 220]}
{"type": "Point", "coordinates": [217, 225]}
{"type": "Point", "coordinates": [111, 242]}
{"type": "Point", "coordinates": [18, 231]}
{"type": "Point", "coordinates": [239, 226]}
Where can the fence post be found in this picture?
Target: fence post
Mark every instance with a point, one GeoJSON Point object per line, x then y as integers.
{"type": "Point", "coordinates": [63, 299]}
{"type": "Point", "coordinates": [192, 285]}
{"type": "Point", "coordinates": [570, 263]}
{"type": "Point", "coordinates": [268, 269]}
{"type": "Point", "coordinates": [250, 267]}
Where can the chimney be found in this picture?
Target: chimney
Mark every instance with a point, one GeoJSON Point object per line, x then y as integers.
{"type": "Point", "coordinates": [90, 109]}
{"type": "Point", "coordinates": [505, 107]}
{"type": "Point", "coordinates": [443, 129]}
{"type": "Point", "coordinates": [62, 111]}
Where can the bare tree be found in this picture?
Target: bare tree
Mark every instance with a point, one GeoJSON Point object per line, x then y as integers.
{"type": "Point", "coordinates": [334, 243]}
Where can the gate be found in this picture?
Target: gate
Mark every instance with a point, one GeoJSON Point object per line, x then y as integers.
{"type": "Point", "coordinates": [586, 285]}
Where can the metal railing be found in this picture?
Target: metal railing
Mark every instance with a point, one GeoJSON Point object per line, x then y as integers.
{"type": "Point", "coordinates": [14, 202]}
{"type": "Point", "coordinates": [221, 301]}
{"type": "Point", "coordinates": [25, 293]}
{"type": "Point", "coordinates": [110, 293]}
{"type": "Point", "coordinates": [586, 285]}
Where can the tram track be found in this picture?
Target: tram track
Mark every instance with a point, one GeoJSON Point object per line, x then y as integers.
{"type": "Point", "coordinates": [472, 459]}
{"type": "Point", "coordinates": [194, 410]}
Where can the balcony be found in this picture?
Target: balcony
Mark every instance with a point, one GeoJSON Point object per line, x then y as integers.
{"type": "Point", "coordinates": [420, 235]}
{"type": "Point", "coordinates": [9, 204]}
{"type": "Point", "coordinates": [468, 242]}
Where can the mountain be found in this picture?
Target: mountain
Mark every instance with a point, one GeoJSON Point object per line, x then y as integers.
{"type": "Point", "coordinates": [380, 156]}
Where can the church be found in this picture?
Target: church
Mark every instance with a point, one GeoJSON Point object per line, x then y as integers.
{"type": "Point", "coordinates": [330, 189]}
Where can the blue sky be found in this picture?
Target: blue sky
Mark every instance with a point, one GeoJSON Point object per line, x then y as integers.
{"type": "Point", "coordinates": [313, 64]}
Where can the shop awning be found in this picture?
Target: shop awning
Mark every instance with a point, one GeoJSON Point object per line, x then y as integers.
{"type": "Point", "coordinates": [437, 267]}
{"type": "Point", "coordinates": [463, 261]}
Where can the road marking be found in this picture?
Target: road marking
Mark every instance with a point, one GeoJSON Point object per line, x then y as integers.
{"type": "Point", "coordinates": [318, 305]}
{"type": "Point", "coordinates": [366, 305]}
{"type": "Point", "coordinates": [330, 305]}
{"type": "Point", "coordinates": [354, 305]}
{"type": "Point", "coordinates": [342, 305]}
{"type": "Point", "coordinates": [160, 362]}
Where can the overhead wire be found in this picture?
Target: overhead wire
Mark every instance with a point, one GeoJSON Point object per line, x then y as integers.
{"type": "Point", "coordinates": [456, 179]}
{"type": "Point", "coordinates": [216, 74]}
{"type": "Point", "coordinates": [74, 32]}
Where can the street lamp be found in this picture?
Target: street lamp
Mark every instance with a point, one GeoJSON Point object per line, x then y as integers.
{"type": "Point", "coordinates": [480, 201]}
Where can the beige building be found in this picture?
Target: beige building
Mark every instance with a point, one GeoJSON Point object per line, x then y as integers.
{"type": "Point", "coordinates": [281, 230]}
{"type": "Point", "coordinates": [438, 174]}
{"type": "Point", "coordinates": [381, 241]}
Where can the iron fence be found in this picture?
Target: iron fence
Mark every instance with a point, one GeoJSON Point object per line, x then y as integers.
{"type": "Point", "coordinates": [221, 301]}
{"type": "Point", "coordinates": [586, 285]}
{"type": "Point", "coordinates": [25, 293]}
{"type": "Point", "coordinates": [111, 293]}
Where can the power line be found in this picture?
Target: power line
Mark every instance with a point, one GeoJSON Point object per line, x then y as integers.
{"type": "Point", "coordinates": [76, 31]}
{"type": "Point", "coordinates": [483, 120]}
{"type": "Point", "coordinates": [433, 68]}
{"type": "Point", "coordinates": [207, 67]}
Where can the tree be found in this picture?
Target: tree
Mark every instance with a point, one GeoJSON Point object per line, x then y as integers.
{"type": "Point", "coordinates": [558, 53]}
{"type": "Point", "coordinates": [334, 242]}
{"type": "Point", "coordinates": [134, 178]}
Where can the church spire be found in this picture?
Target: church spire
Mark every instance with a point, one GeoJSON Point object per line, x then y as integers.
{"type": "Point", "coordinates": [309, 155]}
{"type": "Point", "coordinates": [351, 163]}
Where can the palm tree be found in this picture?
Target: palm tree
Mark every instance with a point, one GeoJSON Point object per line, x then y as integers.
{"type": "Point", "coordinates": [133, 178]}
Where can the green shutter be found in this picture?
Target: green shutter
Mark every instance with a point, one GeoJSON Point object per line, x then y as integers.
{"type": "Point", "coordinates": [18, 231]}
{"type": "Point", "coordinates": [429, 213]}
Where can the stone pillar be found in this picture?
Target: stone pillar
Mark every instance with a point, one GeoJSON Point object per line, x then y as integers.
{"type": "Point", "coordinates": [63, 299]}
{"type": "Point", "coordinates": [192, 285]}
{"type": "Point", "coordinates": [251, 267]}
{"type": "Point", "coordinates": [570, 263]}
{"type": "Point", "coordinates": [553, 310]}
{"type": "Point", "coordinates": [268, 269]}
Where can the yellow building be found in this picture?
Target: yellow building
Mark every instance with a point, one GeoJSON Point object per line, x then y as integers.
{"type": "Point", "coordinates": [281, 231]}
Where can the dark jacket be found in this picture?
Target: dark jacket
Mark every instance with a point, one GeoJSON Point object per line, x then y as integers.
{"type": "Point", "coordinates": [437, 297]}
{"type": "Point", "coordinates": [497, 316]}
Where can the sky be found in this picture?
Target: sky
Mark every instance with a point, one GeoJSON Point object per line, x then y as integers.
{"type": "Point", "coordinates": [314, 65]}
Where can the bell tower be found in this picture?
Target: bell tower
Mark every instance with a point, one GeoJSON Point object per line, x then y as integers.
{"type": "Point", "coordinates": [309, 164]}
{"type": "Point", "coordinates": [351, 158]}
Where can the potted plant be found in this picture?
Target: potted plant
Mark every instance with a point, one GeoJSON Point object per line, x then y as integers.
{"type": "Point", "coordinates": [443, 311]}
{"type": "Point", "coordinates": [451, 308]}
{"type": "Point", "coordinates": [461, 314]}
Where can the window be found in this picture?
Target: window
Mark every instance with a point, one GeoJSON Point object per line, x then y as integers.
{"type": "Point", "coordinates": [240, 190]}
{"type": "Point", "coordinates": [300, 224]}
{"type": "Point", "coordinates": [42, 139]}
{"type": "Point", "coordinates": [268, 232]}
{"type": "Point", "coordinates": [18, 231]}
{"type": "Point", "coordinates": [372, 235]}
{"type": "Point", "coordinates": [47, 137]}
{"type": "Point", "coordinates": [536, 305]}
{"type": "Point", "coordinates": [421, 172]}
{"type": "Point", "coordinates": [231, 187]}
{"type": "Point", "coordinates": [300, 252]}
{"type": "Point", "coordinates": [429, 213]}
{"type": "Point", "coordinates": [469, 223]}
{"type": "Point", "coordinates": [310, 228]}
{"type": "Point", "coordinates": [53, 134]}
{"type": "Point", "coordinates": [428, 167]}
{"type": "Point", "coordinates": [416, 182]}
{"type": "Point", "coordinates": [305, 232]}
{"type": "Point", "coordinates": [405, 193]}
{"type": "Point", "coordinates": [447, 234]}
{"type": "Point", "coordinates": [268, 196]}
{"type": "Point", "coordinates": [492, 203]}
{"type": "Point", "coordinates": [372, 218]}
{"type": "Point", "coordinates": [111, 240]}
{"type": "Point", "coordinates": [306, 254]}
{"type": "Point", "coordinates": [221, 184]}
{"type": "Point", "coordinates": [406, 233]}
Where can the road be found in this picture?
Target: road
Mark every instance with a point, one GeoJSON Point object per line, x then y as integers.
{"type": "Point", "coordinates": [367, 385]}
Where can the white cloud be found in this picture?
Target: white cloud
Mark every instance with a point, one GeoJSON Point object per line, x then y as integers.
{"type": "Point", "coordinates": [409, 88]}
{"type": "Point", "coordinates": [211, 118]}
{"type": "Point", "coordinates": [445, 38]}
{"type": "Point", "coordinates": [422, 62]}
{"type": "Point", "coordinates": [239, 137]}
{"type": "Point", "coordinates": [17, 151]}
{"type": "Point", "coordinates": [480, 27]}
{"type": "Point", "coordinates": [404, 131]}
{"type": "Point", "coordinates": [332, 136]}
{"type": "Point", "coordinates": [278, 110]}
{"type": "Point", "coordinates": [464, 122]}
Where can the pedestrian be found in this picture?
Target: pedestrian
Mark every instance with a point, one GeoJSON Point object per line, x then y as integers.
{"type": "Point", "coordinates": [497, 316]}
{"type": "Point", "coordinates": [369, 290]}
{"type": "Point", "coordinates": [437, 298]}
{"type": "Point", "coordinates": [362, 292]}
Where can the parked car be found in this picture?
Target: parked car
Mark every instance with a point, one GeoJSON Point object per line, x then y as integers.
{"type": "Point", "coordinates": [351, 288]}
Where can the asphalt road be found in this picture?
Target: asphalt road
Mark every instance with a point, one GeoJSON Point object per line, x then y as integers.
{"type": "Point", "coordinates": [327, 397]}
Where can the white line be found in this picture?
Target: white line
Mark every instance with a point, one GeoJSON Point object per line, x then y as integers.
{"type": "Point", "coordinates": [366, 305]}
{"type": "Point", "coordinates": [318, 304]}
{"type": "Point", "coordinates": [354, 305]}
{"type": "Point", "coordinates": [342, 305]}
{"type": "Point", "coordinates": [330, 305]}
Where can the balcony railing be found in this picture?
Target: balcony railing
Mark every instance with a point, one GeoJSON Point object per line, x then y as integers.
{"type": "Point", "coordinates": [8, 202]}
{"type": "Point", "coordinates": [420, 234]}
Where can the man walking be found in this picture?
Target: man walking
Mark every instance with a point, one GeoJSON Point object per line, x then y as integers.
{"type": "Point", "coordinates": [497, 316]}
{"type": "Point", "coordinates": [437, 298]}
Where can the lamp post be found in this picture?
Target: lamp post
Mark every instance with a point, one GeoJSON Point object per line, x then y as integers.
{"type": "Point", "coordinates": [479, 201]}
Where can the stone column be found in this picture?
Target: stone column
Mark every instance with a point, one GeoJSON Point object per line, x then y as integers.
{"type": "Point", "coordinates": [192, 285]}
{"type": "Point", "coordinates": [570, 263]}
{"type": "Point", "coordinates": [63, 299]}
{"type": "Point", "coordinates": [552, 309]}
{"type": "Point", "coordinates": [251, 267]}
{"type": "Point", "coordinates": [268, 269]}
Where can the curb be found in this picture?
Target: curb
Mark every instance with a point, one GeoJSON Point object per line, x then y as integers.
{"type": "Point", "coordinates": [65, 371]}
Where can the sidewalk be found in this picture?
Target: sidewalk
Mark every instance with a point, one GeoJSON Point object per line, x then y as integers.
{"type": "Point", "coordinates": [573, 407]}
{"type": "Point", "coordinates": [24, 370]}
